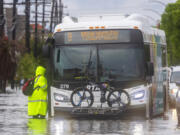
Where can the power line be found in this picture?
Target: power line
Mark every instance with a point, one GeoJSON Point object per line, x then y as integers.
{"type": "Point", "coordinates": [24, 3]}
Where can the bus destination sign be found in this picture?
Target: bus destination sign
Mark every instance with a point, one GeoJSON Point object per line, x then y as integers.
{"type": "Point", "coordinates": [100, 36]}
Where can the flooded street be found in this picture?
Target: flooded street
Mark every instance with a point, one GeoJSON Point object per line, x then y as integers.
{"type": "Point", "coordinates": [14, 120]}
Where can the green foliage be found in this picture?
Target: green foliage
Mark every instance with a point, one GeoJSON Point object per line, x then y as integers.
{"type": "Point", "coordinates": [27, 66]}
{"type": "Point", "coordinates": [170, 22]}
{"type": "Point", "coordinates": [28, 63]}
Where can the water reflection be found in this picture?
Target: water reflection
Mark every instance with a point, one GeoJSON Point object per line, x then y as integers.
{"type": "Point", "coordinates": [138, 129]}
{"type": "Point", "coordinates": [96, 127]}
{"type": "Point", "coordinates": [118, 126]}
{"type": "Point", "coordinates": [59, 128]}
{"type": "Point", "coordinates": [174, 114]}
{"type": "Point", "coordinates": [37, 126]}
{"type": "Point", "coordinates": [14, 120]}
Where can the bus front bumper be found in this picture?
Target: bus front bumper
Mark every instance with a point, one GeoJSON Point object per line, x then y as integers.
{"type": "Point", "coordinates": [98, 110]}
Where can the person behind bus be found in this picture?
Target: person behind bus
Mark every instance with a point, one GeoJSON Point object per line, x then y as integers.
{"type": "Point", "coordinates": [37, 102]}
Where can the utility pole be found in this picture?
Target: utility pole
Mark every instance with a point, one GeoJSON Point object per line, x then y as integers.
{"type": "Point", "coordinates": [56, 14]}
{"type": "Point", "coordinates": [2, 20]}
{"type": "Point", "coordinates": [52, 15]}
{"type": "Point", "coordinates": [60, 11]}
{"type": "Point", "coordinates": [43, 23]}
{"type": "Point", "coordinates": [14, 20]}
{"type": "Point", "coordinates": [13, 33]}
{"type": "Point", "coordinates": [36, 30]}
{"type": "Point", "coordinates": [1, 33]}
{"type": "Point", "coordinates": [27, 33]}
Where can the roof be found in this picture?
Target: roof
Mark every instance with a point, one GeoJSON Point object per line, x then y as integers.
{"type": "Point", "coordinates": [84, 22]}
{"type": "Point", "coordinates": [39, 27]}
{"type": "Point", "coordinates": [117, 21]}
{"type": "Point", "coordinates": [112, 21]}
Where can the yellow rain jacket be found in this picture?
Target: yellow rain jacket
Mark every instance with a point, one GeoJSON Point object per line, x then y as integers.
{"type": "Point", "coordinates": [37, 102]}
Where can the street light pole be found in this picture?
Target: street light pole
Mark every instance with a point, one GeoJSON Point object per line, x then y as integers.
{"type": "Point", "coordinates": [170, 48]}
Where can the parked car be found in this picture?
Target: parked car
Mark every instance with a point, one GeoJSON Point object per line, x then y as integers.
{"type": "Point", "coordinates": [173, 88]}
{"type": "Point", "coordinates": [178, 102]}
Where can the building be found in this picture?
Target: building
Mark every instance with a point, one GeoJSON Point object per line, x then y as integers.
{"type": "Point", "coordinates": [20, 24]}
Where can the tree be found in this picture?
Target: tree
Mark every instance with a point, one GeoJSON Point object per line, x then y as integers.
{"type": "Point", "coordinates": [27, 66]}
{"type": "Point", "coordinates": [170, 22]}
{"type": "Point", "coordinates": [27, 62]}
{"type": "Point", "coordinates": [8, 61]}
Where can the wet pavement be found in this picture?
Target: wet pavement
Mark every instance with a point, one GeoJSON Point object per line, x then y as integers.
{"type": "Point", "coordinates": [14, 121]}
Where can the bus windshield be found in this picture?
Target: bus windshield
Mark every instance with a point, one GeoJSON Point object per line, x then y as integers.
{"type": "Point", "coordinates": [102, 62]}
{"type": "Point", "coordinates": [120, 63]}
{"type": "Point", "coordinates": [74, 61]}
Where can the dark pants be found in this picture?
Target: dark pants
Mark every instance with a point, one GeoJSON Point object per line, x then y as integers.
{"type": "Point", "coordinates": [39, 116]}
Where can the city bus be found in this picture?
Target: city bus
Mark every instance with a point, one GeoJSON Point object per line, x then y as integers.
{"type": "Point", "coordinates": [124, 48]}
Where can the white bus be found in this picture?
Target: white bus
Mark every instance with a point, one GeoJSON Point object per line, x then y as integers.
{"type": "Point", "coordinates": [123, 48]}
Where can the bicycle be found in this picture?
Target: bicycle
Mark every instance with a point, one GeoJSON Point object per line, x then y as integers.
{"type": "Point", "coordinates": [83, 97]}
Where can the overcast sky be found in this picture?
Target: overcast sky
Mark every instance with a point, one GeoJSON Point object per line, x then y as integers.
{"type": "Point", "coordinates": [76, 7]}
{"type": "Point", "coordinates": [150, 8]}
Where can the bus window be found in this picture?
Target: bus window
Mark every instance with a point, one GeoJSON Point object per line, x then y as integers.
{"type": "Point", "coordinates": [121, 63]}
{"type": "Point", "coordinates": [75, 61]}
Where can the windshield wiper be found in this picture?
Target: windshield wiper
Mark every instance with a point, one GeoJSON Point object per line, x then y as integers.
{"type": "Point", "coordinates": [89, 63]}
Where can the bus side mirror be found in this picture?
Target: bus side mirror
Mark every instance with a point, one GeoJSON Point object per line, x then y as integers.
{"type": "Point", "coordinates": [46, 49]}
{"type": "Point", "coordinates": [150, 68]}
{"type": "Point", "coordinates": [49, 40]}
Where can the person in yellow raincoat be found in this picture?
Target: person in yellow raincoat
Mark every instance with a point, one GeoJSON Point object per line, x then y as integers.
{"type": "Point", "coordinates": [37, 102]}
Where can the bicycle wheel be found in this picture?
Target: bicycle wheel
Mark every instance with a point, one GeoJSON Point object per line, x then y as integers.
{"type": "Point", "coordinates": [118, 98]}
{"type": "Point", "coordinates": [82, 97]}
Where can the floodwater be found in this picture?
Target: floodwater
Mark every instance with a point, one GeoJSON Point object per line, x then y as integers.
{"type": "Point", "coordinates": [14, 121]}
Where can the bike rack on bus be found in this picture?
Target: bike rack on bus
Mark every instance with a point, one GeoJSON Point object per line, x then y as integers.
{"type": "Point", "coordinates": [98, 110]}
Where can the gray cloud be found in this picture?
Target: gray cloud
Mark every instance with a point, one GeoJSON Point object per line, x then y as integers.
{"type": "Point", "coordinates": [151, 8]}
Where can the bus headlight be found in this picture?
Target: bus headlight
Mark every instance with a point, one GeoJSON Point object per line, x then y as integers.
{"type": "Point", "coordinates": [138, 95]}
{"type": "Point", "coordinates": [60, 97]}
